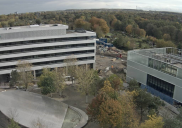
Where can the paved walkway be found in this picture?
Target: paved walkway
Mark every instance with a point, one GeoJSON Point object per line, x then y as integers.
{"type": "Point", "coordinates": [77, 100]}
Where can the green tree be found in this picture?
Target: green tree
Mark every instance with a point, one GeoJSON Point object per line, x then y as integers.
{"type": "Point", "coordinates": [14, 78]}
{"type": "Point", "coordinates": [162, 43]}
{"type": "Point", "coordinates": [128, 45]}
{"type": "Point", "coordinates": [145, 102]}
{"type": "Point", "coordinates": [133, 85]}
{"type": "Point", "coordinates": [13, 124]}
{"type": "Point", "coordinates": [47, 82]}
{"type": "Point", "coordinates": [4, 24]}
{"type": "Point", "coordinates": [173, 122]}
{"type": "Point", "coordinates": [117, 25]}
{"type": "Point", "coordinates": [157, 33]}
{"type": "Point", "coordinates": [95, 86]}
{"type": "Point", "coordinates": [11, 22]}
{"type": "Point", "coordinates": [38, 21]}
{"type": "Point", "coordinates": [142, 100]}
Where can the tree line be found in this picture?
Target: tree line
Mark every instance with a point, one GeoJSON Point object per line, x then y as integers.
{"type": "Point", "coordinates": [162, 26]}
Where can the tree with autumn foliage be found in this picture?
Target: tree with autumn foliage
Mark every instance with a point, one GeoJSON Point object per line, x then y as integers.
{"type": "Point", "coordinates": [85, 79]}
{"type": "Point", "coordinates": [93, 108]}
{"type": "Point", "coordinates": [110, 109]}
{"type": "Point", "coordinates": [107, 89]}
{"type": "Point", "coordinates": [59, 80]}
{"type": "Point", "coordinates": [25, 73]}
{"type": "Point", "coordinates": [110, 114]}
{"type": "Point", "coordinates": [99, 32]}
{"type": "Point", "coordinates": [166, 37]}
{"type": "Point", "coordinates": [129, 113]}
{"type": "Point", "coordinates": [81, 23]}
{"type": "Point", "coordinates": [142, 33]}
{"type": "Point", "coordinates": [154, 121]}
{"type": "Point", "coordinates": [129, 29]}
{"type": "Point", "coordinates": [113, 22]}
{"type": "Point", "coordinates": [96, 22]}
{"type": "Point", "coordinates": [116, 82]}
{"type": "Point", "coordinates": [162, 43]}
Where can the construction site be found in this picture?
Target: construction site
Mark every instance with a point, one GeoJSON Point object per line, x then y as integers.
{"type": "Point", "coordinates": [110, 60]}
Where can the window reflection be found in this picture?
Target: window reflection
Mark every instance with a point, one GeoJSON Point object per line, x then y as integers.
{"type": "Point", "coordinates": [160, 85]}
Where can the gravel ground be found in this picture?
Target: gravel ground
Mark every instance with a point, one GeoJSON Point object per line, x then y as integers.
{"type": "Point", "coordinates": [104, 62]}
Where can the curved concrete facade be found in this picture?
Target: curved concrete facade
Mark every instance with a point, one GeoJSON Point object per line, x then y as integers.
{"type": "Point", "coordinates": [29, 108]}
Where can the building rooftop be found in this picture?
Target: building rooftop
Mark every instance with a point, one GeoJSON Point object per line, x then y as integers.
{"type": "Point", "coordinates": [166, 59]}
{"type": "Point", "coordinates": [42, 31]}
{"type": "Point", "coordinates": [32, 27]}
{"type": "Point", "coordinates": [169, 55]}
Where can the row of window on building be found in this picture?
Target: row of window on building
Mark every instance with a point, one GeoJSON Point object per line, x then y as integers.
{"type": "Point", "coordinates": [46, 55]}
{"type": "Point", "coordinates": [163, 67]}
{"type": "Point", "coordinates": [47, 48]}
{"type": "Point", "coordinates": [53, 40]}
{"type": "Point", "coordinates": [48, 62]}
{"type": "Point", "coordinates": [160, 85]}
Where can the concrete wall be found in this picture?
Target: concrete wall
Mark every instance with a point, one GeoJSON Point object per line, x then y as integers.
{"type": "Point", "coordinates": [28, 34]}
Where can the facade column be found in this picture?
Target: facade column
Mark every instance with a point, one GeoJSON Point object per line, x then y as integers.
{"type": "Point", "coordinates": [56, 69]}
{"type": "Point", "coordinates": [86, 67]}
{"type": "Point", "coordinates": [66, 70]}
{"type": "Point", "coordinates": [34, 75]}
{"type": "Point", "coordinates": [93, 66]}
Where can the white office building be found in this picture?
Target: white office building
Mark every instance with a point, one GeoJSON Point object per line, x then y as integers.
{"type": "Point", "coordinates": [44, 46]}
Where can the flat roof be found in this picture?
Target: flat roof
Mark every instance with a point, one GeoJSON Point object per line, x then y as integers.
{"type": "Point", "coordinates": [32, 28]}
{"type": "Point", "coordinates": [163, 54]}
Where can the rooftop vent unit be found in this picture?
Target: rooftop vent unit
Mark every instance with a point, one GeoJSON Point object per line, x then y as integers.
{"type": "Point", "coordinates": [8, 28]}
{"type": "Point", "coordinates": [33, 26]}
{"type": "Point", "coordinates": [80, 30]}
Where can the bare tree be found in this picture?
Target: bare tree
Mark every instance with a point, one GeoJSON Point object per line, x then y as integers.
{"type": "Point", "coordinates": [13, 114]}
{"type": "Point", "coordinates": [39, 124]}
{"type": "Point", "coordinates": [25, 73]}
{"type": "Point", "coordinates": [70, 62]}
{"type": "Point", "coordinates": [85, 78]}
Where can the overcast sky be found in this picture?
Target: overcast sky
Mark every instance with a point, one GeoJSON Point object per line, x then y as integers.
{"type": "Point", "coordinates": [21, 6]}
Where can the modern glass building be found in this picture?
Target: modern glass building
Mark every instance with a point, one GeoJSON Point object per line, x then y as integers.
{"type": "Point", "coordinates": [159, 70]}
{"type": "Point", "coordinates": [44, 46]}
